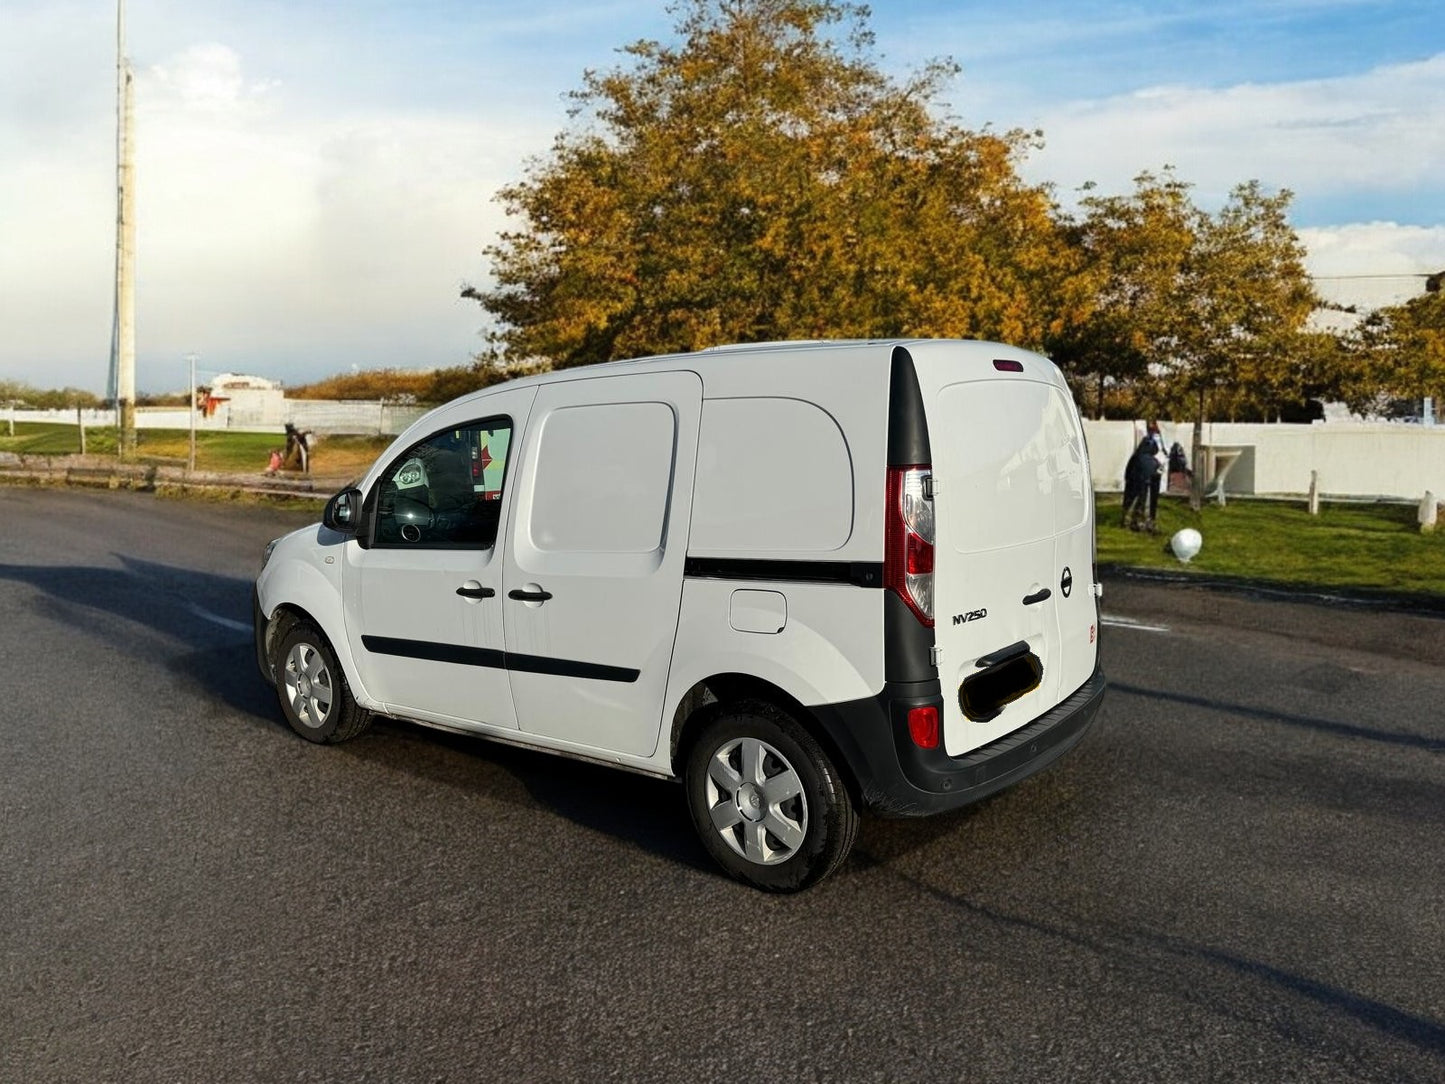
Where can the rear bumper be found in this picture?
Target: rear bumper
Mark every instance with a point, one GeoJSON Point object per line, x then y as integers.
{"type": "Point", "coordinates": [896, 778]}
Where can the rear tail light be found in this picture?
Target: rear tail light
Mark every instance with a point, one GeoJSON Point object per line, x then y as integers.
{"type": "Point", "coordinates": [923, 726]}
{"type": "Point", "coordinates": [908, 539]}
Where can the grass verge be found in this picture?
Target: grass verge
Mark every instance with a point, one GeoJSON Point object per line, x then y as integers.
{"type": "Point", "coordinates": [222, 451]}
{"type": "Point", "coordinates": [1376, 547]}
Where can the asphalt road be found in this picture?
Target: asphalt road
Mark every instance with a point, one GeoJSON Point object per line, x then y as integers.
{"type": "Point", "coordinates": [1237, 876]}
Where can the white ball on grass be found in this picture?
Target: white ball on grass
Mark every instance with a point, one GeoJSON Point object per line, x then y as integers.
{"type": "Point", "coordinates": [1186, 543]}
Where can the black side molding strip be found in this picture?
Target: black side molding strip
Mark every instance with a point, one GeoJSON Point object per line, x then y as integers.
{"type": "Point", "coordinates": [540, 664]}
{"type": "Point", "coordinates": [434, 652]}
{"type": "Point", "coordinates": [857, 573]}
{"type": "Point", "coordinates": [496, 660]}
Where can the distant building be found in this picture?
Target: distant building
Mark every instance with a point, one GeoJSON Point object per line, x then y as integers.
{"type": "Point", "coordinates": [246, 400]}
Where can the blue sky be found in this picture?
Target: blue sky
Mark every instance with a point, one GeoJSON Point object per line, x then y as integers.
{"type": "Point", "coordinates": [315, 179]}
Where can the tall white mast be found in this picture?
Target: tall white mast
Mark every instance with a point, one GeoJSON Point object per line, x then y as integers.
{"type": "Point", "coordinates": [122, 347]}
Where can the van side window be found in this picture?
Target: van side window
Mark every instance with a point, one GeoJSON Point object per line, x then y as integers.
{"type": "Point", "coordinates": [446, 490]}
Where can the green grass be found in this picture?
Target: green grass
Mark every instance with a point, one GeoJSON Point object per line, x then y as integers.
{"type": "Point", "coordinates": [1369, 546]}
{"type": "Point", "coordinates": [242, 453]}
{"type": "Point", "coordinates": [44, 438]}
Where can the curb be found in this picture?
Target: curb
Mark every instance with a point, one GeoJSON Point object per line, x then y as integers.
{"type": "Point", "coordinates": [1362, 598]}
{"type": "Point", "coordinates": [102, 473]}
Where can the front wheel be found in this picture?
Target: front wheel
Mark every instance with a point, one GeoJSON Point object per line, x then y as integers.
{"type": "Point", "coordinates": [315, 697]}
{"type": "Point", "coordinates": [766, 800]}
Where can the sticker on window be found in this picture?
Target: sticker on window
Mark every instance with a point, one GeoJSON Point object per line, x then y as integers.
{"type": "Point", "coordinates": [411, 475]}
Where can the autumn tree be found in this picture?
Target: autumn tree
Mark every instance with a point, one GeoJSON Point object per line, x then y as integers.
{"type": "Point", "coordinates": [409, 385]}
{"type": "Point", "coordinates": [1322, 367]}
{"type": "Point", "coordinates": [1403, 347]}
{"type": "Point", "coordinates": [1244, 296]}
{"type": "Point", "coordinates": [1184, 303]}
{"type": "Point", "coordinates": [1198, 312]}
{"type": "Point", "coordinates": [760, 178]}
{"type": "Point", "coordinates": [1132, 252]}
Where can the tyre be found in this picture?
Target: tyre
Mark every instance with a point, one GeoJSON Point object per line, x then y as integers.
{"type": "Point", "coordinates": [314, 695]}
{"type": "Point", "coordinates": [768, 804]}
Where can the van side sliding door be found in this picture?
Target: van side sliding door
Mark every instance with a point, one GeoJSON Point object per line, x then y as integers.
{"type": "Point", "coordinates": [592, 574]}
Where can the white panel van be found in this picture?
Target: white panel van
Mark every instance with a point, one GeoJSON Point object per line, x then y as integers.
{"type": "Point", "coordinates": [806, 579]}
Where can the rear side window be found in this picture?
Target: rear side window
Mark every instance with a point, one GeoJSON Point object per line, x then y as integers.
{"type": "Point", "coordinates": [1016, 450]}
{"type": "Point", "coordinates": [445, 491]}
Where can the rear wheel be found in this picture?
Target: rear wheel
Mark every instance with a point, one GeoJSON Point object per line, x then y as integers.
{"type": "Point", "coordinates": [315, 697]}
{"type": "Point", "coordinates": [766, 800]}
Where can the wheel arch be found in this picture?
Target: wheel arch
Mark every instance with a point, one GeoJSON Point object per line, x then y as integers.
{"type": "Point", "coordinates": [700, 701]}
{"type": "Point", "coordinates": [283, 619]}
{"type": "Point", "coordinates": [286, 616]}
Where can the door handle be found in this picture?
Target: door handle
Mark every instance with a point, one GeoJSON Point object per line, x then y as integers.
{"type": "Point", "coordinates": [475, 592]}
{"type": "Point", "coordinates": [529, 596]}
{"type": "Point", "coordinates": [1037, 596]}
{"type": "Point", "coordinates": [1004, 654]}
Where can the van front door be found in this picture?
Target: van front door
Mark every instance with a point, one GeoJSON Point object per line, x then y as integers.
{"type": "Point", "coordinates": [423, 601]}
{"type": "Point", "coordinates": [592, 573]}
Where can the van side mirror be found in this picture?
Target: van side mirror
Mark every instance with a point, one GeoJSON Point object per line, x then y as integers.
{"type": "Point", "coordinates": [343, 511]}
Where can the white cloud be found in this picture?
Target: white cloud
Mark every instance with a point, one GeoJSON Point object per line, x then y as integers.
{"type": "Point", "coordinates": [267, 240]}
{"type": "Point", "coordinates": [1375, 263]}
{"type": "Point", "coordinates": [1381, 131]}
{"type": "Point", "coordinates": [205, 77]}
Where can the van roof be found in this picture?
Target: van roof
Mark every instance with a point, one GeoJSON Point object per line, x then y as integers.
{"type": "Point", "coordinates": [704, 359]}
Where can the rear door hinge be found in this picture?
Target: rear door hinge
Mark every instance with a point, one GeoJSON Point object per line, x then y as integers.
{"type": "Point", "coordinates": [934, 654]}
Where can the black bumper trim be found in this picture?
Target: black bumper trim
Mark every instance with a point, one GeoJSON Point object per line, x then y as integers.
{"type": "Point", "coordinates": [896, 778]}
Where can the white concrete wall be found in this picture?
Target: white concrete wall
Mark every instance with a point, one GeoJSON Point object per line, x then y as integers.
{"type": "Point", "coordinates": [350, 416]}
{"type": "Point", "coordinates": [254, 406]}
{"type": "Point", "coordinates": [1353, 460]}
{"type": "Point", "coordinates": [62, 416]}
{"type": "Point", "coordinates": [313, 415]}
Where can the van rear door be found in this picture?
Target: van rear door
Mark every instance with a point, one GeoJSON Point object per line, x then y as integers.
{"type": "Point", "coordinates": [1014, 605]}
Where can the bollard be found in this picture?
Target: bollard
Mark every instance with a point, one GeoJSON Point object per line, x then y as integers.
{"type": "Point", "coordinates": [1314, 493]}
{"type": "Point", "coordinates": [1428, 512]}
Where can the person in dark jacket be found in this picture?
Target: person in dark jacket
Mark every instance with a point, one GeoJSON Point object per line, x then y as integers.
{"type": "Point", "coordinates": [1139, 477]}
{"type": "Point", "coordinates": [1179, 473]}
{"type": "Point", "coordinates": [1161, 457]}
